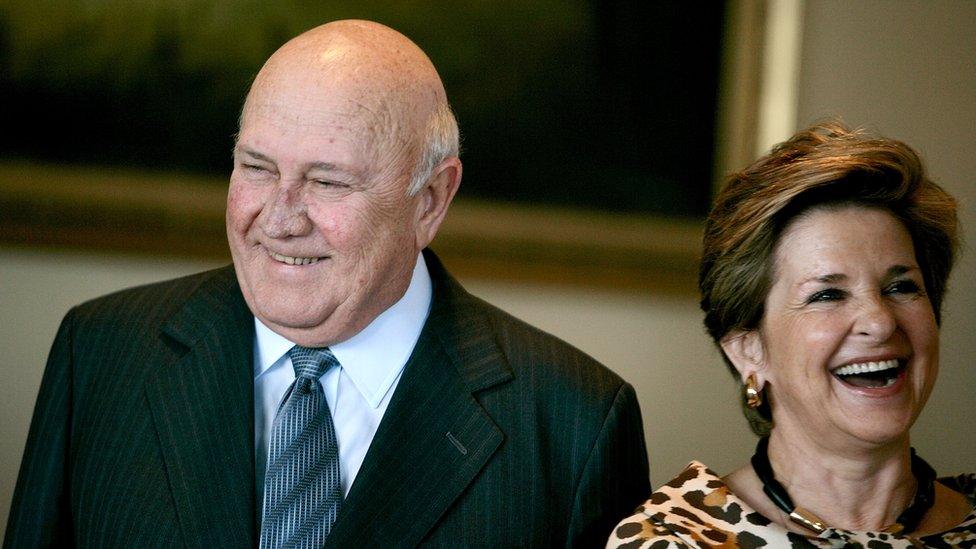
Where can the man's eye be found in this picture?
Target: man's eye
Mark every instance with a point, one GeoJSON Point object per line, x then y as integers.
{"type": "Point", "coordinates": [255, 168]}
{"type": "Point", "coordinates": [829, 294]}
{"type": "Point", "coordinates": [903, 287]}
{"type": "Point", "coordinates": [328, 183]}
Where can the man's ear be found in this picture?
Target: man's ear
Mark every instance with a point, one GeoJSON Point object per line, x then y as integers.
{"type": "Point", "coordinates": [435, 197]}
{"type": "Point", "coordinates": [746, 352]}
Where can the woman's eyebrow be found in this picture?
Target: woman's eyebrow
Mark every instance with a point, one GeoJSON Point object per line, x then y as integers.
{"type": "Point", "coordinates": [824, 279]}
{"type": "Point", "coordinates": [900, 269]}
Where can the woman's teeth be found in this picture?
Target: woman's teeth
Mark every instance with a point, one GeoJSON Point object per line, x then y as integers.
{"type": "Point", "coordinates": [294, 260]}
{"type": "Point", "coordinates": [865, 367]}
{"type": "Point", "coordinates": [870, 374]}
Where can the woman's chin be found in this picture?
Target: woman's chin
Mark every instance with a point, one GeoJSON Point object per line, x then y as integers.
{"type": "Point", "coordinates": [878, 414]}
{"type": "Point", "coordinates": [849, 425]}
{"type": "Point", "coordinates": [874, 427]}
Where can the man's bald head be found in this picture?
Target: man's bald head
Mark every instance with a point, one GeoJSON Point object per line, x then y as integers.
{"type": "Point", "coordinates": [374, 76]}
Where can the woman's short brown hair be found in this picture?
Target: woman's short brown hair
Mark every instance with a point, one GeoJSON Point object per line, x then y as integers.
{"type": "Point", "coordinates": [824, 165]}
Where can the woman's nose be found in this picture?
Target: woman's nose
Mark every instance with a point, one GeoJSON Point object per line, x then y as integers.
{"type": "Point", "coordinates": [875, 319]}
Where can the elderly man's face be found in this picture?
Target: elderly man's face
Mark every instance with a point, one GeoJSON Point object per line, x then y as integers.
{"type": "Point", "coordinates": [321, 230]}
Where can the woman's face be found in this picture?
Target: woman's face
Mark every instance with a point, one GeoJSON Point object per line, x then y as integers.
{"type": "Point", "coordinates": [849, 342]}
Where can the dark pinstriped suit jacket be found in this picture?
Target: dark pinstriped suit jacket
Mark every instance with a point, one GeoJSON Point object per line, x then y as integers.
{"type": "Point", "coordinates": [497, 435]}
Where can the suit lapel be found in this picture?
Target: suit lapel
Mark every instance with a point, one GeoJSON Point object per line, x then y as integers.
{"type": "Point", "coordinates": [435, 437]}
{"type": "Point", "coordinates": [202, 407]}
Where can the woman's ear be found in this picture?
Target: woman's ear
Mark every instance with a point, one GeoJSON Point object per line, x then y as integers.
{"type": "Point", "coordinates": [745, 350]}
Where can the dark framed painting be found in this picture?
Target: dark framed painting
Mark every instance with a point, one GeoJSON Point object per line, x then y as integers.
{"type": "Point", "coordinates": [590, 128]}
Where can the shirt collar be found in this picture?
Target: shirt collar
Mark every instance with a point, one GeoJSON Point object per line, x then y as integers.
{"type": "Point", "coordinates": [373, 358]}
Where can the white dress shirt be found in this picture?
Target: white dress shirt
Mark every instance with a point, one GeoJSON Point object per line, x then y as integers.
{"type": "Point", "coordinates": [358, 392]}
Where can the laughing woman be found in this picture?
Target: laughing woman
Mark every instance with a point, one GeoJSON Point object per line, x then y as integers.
{"type": "Point", "coordinates": [824, 268]}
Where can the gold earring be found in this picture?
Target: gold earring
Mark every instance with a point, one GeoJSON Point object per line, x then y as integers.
{"type": "Point", "coordinates": [753, 392]}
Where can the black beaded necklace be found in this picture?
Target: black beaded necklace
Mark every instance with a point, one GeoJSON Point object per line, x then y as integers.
{"type": "Point", "coordinates": [907, 521]}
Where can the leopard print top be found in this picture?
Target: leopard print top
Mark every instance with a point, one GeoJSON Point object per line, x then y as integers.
{"type": "Point", "coordinates": [697, 509]}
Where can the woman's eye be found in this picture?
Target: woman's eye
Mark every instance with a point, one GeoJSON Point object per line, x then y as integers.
{"type": "Point", "coordinates": [903, 287]}
{"type": "Point", "coordinates": [829, 294]}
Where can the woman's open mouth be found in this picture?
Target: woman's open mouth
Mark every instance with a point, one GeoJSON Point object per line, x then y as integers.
{"type": "Point", "coordinates": [871, 375]}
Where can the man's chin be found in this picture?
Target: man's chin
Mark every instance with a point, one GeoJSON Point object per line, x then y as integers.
{"type": "Point", "coordinates": [291, 319]}
{"type": "Point", "coordinates": [311, 330]}
{"type": "Point", "coordinates": [286, 303]}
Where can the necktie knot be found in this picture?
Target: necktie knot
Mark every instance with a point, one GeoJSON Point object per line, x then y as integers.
{"type": "Point", "coordinates": [311, 362]}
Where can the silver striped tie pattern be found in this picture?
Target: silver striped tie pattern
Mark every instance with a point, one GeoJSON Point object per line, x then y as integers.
{"type": "Point", "coordinates": [302, 492]}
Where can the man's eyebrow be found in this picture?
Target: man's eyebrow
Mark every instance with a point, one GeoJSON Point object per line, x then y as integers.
{"type": "Point", "coordinates": [255, 155]}
{"type": "Point", "coordinates": [325, 166]}
{"type": "Point", "coordinates": [319, 165]}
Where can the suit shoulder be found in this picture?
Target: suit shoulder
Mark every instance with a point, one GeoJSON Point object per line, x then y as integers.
{"type": "Point", "coordinates": [531, 350]}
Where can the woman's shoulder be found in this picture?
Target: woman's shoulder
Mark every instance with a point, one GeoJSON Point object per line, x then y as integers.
{"type": "Point", "coordinates": [646, 527]}
{"type": "Point", "coordinates": [964, 533]}
{"type": "Point", "coordinates": [697, 509]}
{"type": "Point", "coordinates": [652, 524]}
{"type": "Point", "coordinates": [965, 484]}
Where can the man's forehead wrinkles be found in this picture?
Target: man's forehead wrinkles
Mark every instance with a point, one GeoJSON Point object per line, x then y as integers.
{"type": "Point", "coordinates": [352, 114]}
{"type": "Point", "coordinates": [363, 106]}
{"type": "Point", "coordinates": [309, 113]}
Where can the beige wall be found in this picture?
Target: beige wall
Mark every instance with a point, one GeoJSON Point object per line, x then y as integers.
{"type": "Point", "coordinates": [906, 68]}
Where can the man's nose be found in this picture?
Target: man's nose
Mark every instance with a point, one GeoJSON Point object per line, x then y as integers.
{"type": "Point", "coordinates": [285, 213]}
{"type": "Point", "coordinates": [875, 319]}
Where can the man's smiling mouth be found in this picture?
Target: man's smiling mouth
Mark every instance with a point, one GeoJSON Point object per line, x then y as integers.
{"type": "Point", "coordinates": [294, 260]}
{"type": "Point", "coordinates": [882, 373]}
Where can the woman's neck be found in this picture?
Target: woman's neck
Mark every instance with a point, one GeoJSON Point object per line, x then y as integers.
{"type": "Point", "coordinates": [859, 489]}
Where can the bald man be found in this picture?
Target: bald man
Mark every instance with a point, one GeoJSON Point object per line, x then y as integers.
{"type": "Point", "coordinates": [335, 387]}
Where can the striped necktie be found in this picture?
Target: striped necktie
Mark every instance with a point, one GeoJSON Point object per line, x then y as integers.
{"type": "Point", "coordinates": [302, 492]}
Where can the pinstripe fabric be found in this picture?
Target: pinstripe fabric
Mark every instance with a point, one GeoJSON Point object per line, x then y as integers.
{"type": "Point", "coordinates": [302, 492]}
